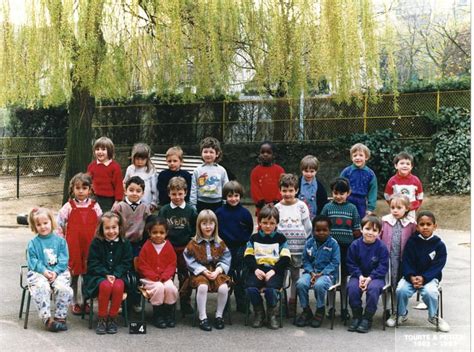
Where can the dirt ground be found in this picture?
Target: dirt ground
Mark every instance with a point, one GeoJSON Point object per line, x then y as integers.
{"type": "Point", "coordinates": [453, 212]}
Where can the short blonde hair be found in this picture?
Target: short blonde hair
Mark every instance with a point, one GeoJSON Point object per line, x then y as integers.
{"type": "Point", "coordinates": [206, 214]}
{"type": "Point", "coordinates": [35, 212]}
{"type": "Point", "coordinates": [359, 147]}
{"type": "Point", "coordinates": [402, 199]}
{"type": "Point", "coordinates": [177, 183]}
{"type": "Point", "coordinates": [309, 162]}
{"type": "Point", "coordinates": [175, 150]}
{"type": "Point", "coordinates": [104, 142]}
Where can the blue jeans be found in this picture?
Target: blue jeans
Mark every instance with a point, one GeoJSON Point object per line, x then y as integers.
{"type": "Point", "coordinates": [320, 287]}
{"type": "Point", "coordinates": [429, 294]}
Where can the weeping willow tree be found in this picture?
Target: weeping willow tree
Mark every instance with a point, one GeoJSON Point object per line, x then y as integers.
{"type": "Point", "coordinates": [78, 52]}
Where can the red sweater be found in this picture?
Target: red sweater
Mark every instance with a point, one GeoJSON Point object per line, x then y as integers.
{"type": "Point", "coordinates": [106, 180]}
{"type": "Point", "coordinates": [154, 266]}
{"type": "Point", "coordinates": [264, 183]}
{"type": "Point", "coordinates": [409, 186]}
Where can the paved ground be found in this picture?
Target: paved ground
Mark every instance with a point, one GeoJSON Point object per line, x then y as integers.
{"type": "Point", "coordinates": [416, 335]}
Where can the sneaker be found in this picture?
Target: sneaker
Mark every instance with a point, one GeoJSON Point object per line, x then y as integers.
{"type": "Point", "coordinates": [364, 326]}
{"type": "Point", "coordinates": [101, 328]}
{"type": "Point", "coordinates": [87, 308]}
{"type": "Point", "coordinates": [61, 324]}
{"type": "Point", "coordinates": [392, 321]}
{"type": "Point", "coordinates": [355, 322]}
{"type": "Point", "coordinates": [442, 324]}
{"type": "Point", "coordinates": [52, 325]}
{"type": "Point", "coordinates": [76, 309]}
{"type": "Point", "coordinates": [137, 308]}
{"type": "Point", "coordinates": [421, 306]}
{"type": "Point", "coordinates": [111, 326]}
{"type": "Point", "coordinates": [318, 318]}
{"type": "Point", "coordinates": [304, 318]}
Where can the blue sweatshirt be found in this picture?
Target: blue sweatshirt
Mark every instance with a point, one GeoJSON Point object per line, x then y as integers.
{"type": "Point", "coordinates": [363, 183]}
{"type": "Point", "coordinates": [235, 225]}
{"type": "Point", "coordinates": [164, 178]}
{"type": "Point", "coordinates": [369, 260]}
{"type": "Point", "coordinates": [425, 257]}
{"type": "Point", "coordinates": [47, 253]}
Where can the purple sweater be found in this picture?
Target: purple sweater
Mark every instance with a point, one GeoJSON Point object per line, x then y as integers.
{"type": "Point", "coordinates": [367, 259]}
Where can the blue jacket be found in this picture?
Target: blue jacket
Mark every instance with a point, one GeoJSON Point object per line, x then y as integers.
{"type": "Point", "coordinates": [367, 259]}
{"type": "Point", "coordinates": [322, 258]}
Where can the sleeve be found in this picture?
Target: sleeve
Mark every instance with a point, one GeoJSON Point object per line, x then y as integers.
{"type": "Point", "coordinates": [285, 257]}
{"type": "Point", "coordinates": [170, 269]}
{"type": "Point", "coordinates": [305, 219]}
{"type": "Point", "coordinates": [307, 266]}
{"type": "Point", "coordinates": [388, 189]}
{"type": "Point", "coordinates": [95, 267]}
{"type": "Point", "coordinates": [381, 270]}
{"type": "Point", "coordinates": [321, 197]}
{"type": "Point", "coordinates": [193, 220]}
{"type": "Point", "coordinates": [63, 256]}
{"type": "Point", "coordinates": [248, 224]}
{"type": "Point", "coordinates": [345, 172]}
{"type": "Point", "coordinates": [225, 178]}
{"type": "Point", "coordinates": [161, 188]}
{"type": "Point", "coordinates": [255, 191]}
{"type": "Point", "coordinates": [154, 189]}
{"type": "Point", "coordinates": [193, 265]}
{"type": "Point", "coordinates": [437, 265]}
{"type": "Point", "coordinates": [62, 218]}
{"type": "Point", "coordinates": [35, 262]}
{"type": "Point", "coordinates": [193, 194]}
{"type": "Point", "coordinates": [324, 211]}
{"type": "Point", "coordinates": [372, 195]}
{"type": "Point", "coordinates": [128, 174]}
{"type": "Point", "coordinates": [352, 262]}
{"type": "Point", "coordinates": [408, 260]}
{"type": "Point", "coordinates": [355, 221]}
{"type": "Point", "coordinates": [224, 261]}
{"type": "Point", "coordinates": [419, 194]}
{"type": "Point", "coordinates": [249, 256]}
{"type": "Point", "coordinates": [333, 267]}
{"type": "Point", "coordinates": [125, 263]}
{"type": "Point", "coordinates": [117, 208]}
{"type": "Point", "coordinates": [187, 176]}
{"type": "Point", "coordinates": [144, 268]}
{"type": "Point", "coordinates": [98, 210]}
{"type": "Point", "coordinates": [117, 181]}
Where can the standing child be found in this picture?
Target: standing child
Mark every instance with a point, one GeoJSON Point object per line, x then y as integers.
{"type": "Point", "coordinates": [345, 227]}
{"type": "Point", "coordinates": [264, 178]}
{"type": "Point", "coordinates": [156, 267]}
{"type": "Point", "coordinates": [362, 180]}
{"type": "Point", "coordinates": [174, 159]}
{"type": "Point", "coordinates": [321, 258]}
{"type": "Point", "coordinates": [296, 226]}
{"type": "Point", "coordinates": [209, 178]}
{"type": "Point", "coordinates": [404, 182]}
{"type": "Point", "coordinates": [181, 219]}
{"type": "Point", "coordinates": [422, 265]}
{"type": "Point", "coordinates": [208, 259]}
{"type": "Point", "coordinates": [77, 221]}
{"type": "Point", "coordinates": [47, 257]}
{"type": "Point", "coordinates": [267, 257]}
{"type": "Point", "coordinates": [367, 263]}
{"type": "Point", "coordinates": [142, 167]}
{"type": "Point", "coordinates": [310, 190]}
{"type": "Point", "coordinates": [110, 257]}
{"type": "Point", "coordinates": [236, 226]}
{"type": "Point", "coordinates": [106, 174]}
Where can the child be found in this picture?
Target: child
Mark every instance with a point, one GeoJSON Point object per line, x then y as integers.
{"type": "Point", "coordinates": [47, 257]}
{"type": "Point", "coordinates": [362, 180]}
{"type": "Point", "coordinates": [110, 258]}
{"type": "Point", "coordinates": [181, 219]}
{"type": "Point", "coordinates": [106, 174]}
{"type": "Point", "coordinates": [264, 178]}
{"type": "Point", "coordinates": [367, 263]}
{"type": "Point", "coordinates": [345, 226]}
{"type": "Point", "coordinates": [404, 182]}
{"type": "Point", "coordinates": [236, 226]}
{"type": "Point", "coordinates": [156, 266]}
{"type": "Point", "coordinates": [77, 221]}
{"type": "Point", "coordinates": [321, 258]}
{"type": "Point", "coordinates": [310, 190]}
{"type": "Point", "coordinates": [208, 260]}
{"type": "Point", "coordinates": [423, 261]}
{"type": "Point", "coordinates": [142, 166]}
{"type": "Point", "coordinates": [296, 226]}
{"type": "Point", "coordinates": [267, 257]}
{"type": "Point", "coordinates": [174, 159]}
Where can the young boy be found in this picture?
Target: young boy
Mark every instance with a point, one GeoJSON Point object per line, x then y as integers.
{"type": "Point", "coordinates": [209, 178]}
{"type": "Point", "coordinates": [321, 258]}
{"type": "Point", "coordinates": [181, 219]}
{"type": "Point", "coordinates": [423, 261]}
{"type": "Point", "coordinates": [235, 228]}
{"type": "Point", "coordinates": [296, 226]}
{"type": "Point", "coordinates": [362, 180]}
{"type": "Point", "coordinates": [404, 182]}
{"type": "Point", "coordinates": [367, 263]}
{"type": "Point", "coordinates": [310, 190]}
{"type": "Point", "coordinates": [174, 159]}
{"type": "Point", "coordinates": [267, 257]}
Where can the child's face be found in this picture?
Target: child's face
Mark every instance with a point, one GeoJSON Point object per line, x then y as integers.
{"type": "Point", "coordinates": [268, 225]}
{"type": "Point", "coordinates": [101, 154]}
{"type": "Point", "coordinates": [158, 234]}
{"type": "Point", "coordinates": [140, 162]}
{"type": "Point", "coordinates": [266, 154]}
{"type": "Point", "coordinates": [321, 231]}
{"type": "Point", "coordinates": [43, 224]}
{"type": "Point", "coordinates": [398, 210]}
{"type": "Point", "coordinates": [288, 194]}
{"type": "Point", "coordinates": [233, 199]}
{"type": "Point", "coordinates": [404, 167]}
{"type": "Point", "coordinates": [134, 192]}
{"type": "Point", "coordinates": [359, 158]}
{"type": "Point", "coordinates": [177, 196]}
{"type": "Point", "coordinates": [340, 197]}
{"type": "Point", "coordinates": [207, 228]}
{"type": "Point", "coordinates": [309, 174]}
{"type": "Point", "coordinates": [81, 191]}
{"type": "Point", "coordinates": [209, 155]}
{"type": "Point", "coordinates": [174, 162]}
{"type": "Point", "coordinates": [369, 233]}
{"type": "Point", "coordinates": [426, 226]}
{"type": "Point", "coordinates": [110, 227]}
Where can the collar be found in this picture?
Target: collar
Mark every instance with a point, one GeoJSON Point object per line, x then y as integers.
{"type": "Point", "coordinates": [425, 239]}
{"type": "Point", "coordinates": [398, 174]}
{"type": "Point", "coordinates": [211, 164]}
{"type": "Point", "coordinates": [304, 182]}
{"type": "Point", "coordinates": [130, 203]}
{"type": "Point", "coordinates": [405, 221]}
{"type": "Point", "coordinates": [202, 239]}
{"type": "Point", "coordinates": [107, 163]}
{"type": "Point", "coordinates": [111, 241]}
{"type": "Point", "coordinates": [81, 201]}
{"type": "Point", "coordinates": [262, 234]}
{"type": "Point", "coordinates": [174, 206]}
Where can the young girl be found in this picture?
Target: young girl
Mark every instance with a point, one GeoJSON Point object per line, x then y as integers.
{"type": "Point", "coordinates": [156, 267]}
{"type": "Point", "coordinates": [208, 259]}
{"type": "Point", "coordinates": [77, 222]}
{"type": "Point", "coordinates": [142, 166]}
{"type": "Point", "coordinates": [47, 258]}
{"type": "Point", "coordinates": [106, 174]}
{"type": "Point", "coordinates": [110, 257]}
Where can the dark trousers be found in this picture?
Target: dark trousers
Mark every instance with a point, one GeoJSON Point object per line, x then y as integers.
{"type": "Point", "coordinates": [105, 203]}
{"type": "Point", "coordinates": [372, 294]}
{"type": "Point", "coordinates": [211, 206]}
{"type": "Point", "coordinates": [254, 285]}
{"type": "Point", "coordinates": [236, 272]}
{"type": "Point", "coordinates": [183, 274]}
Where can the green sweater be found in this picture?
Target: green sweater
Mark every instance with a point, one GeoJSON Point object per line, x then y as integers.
{"type": "Point", "coordinates": [181, 224]}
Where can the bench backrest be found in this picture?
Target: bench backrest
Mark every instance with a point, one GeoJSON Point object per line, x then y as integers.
{"type": "Point", "coordinates": [190, 162]}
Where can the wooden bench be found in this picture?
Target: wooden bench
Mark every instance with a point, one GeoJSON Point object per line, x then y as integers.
{"type": "Point", "coordinates": [190, 162]}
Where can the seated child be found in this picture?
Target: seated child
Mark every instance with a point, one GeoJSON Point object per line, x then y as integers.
{"type": "Point", "coordinates": [310, 190]}
{"type": "Point", "coordinates": [423, 261]}
{"type": "Point", "coordinates": [156, 266]}
{"type": "Point", "coordinates": [47, 257]}
{"type": "Point", "coordinates": [267, 257]}
{"type": "Point", "coordinates": [208, 259]}
{"type": "Point", "coordinates": [321, 258]}
{"type": "Point", "coordinates": [367, 263]}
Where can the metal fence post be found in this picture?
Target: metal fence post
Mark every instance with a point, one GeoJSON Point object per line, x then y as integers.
{"type": "Point", "coordinates": [437, 102]}
{"type": "Point", "coordinates": [223, 121]}
{"type": "Point", "coordinates": [365, 114]}
{"type": "Point", "coordinates": [18, 176]}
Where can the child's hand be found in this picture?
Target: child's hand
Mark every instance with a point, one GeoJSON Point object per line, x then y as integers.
{"type": "Point", "coordinates": [367, 281]}
{"type": "Point", "coordinates": [369, 213]}
{"type": "Point", "coordinates": [48, 274]}
{"type": "Point", "coordinates": [53, 276]}
{"type": "Point", "coordinates": [152, 208]}
{"type": "Point", "coordinates": [260, 274]}
{"type": "Point", "coordinates": [269, 275]}
{"type": "Point", "coordinates": [111, 278]}
{"type": "Point", "coordinates": [213, 275]}
{"type": "Point", "coordinates": [314, 278]}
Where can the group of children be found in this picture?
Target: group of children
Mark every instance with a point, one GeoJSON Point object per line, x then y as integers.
{"type": "Point", "coordinates": [114, 228]}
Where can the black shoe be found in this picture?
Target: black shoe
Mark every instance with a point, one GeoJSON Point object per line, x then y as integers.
{"type": "Point", "coordinates": [345, 316]}
{"type": "Point", "coordinates": [101, 328]}
{"type": "Point", "coordinates": [318, 318]}
{"type": "Point", "coordinates": [169, 316]}
{"type": "Point", "coordinates": [330, 311]}
{"type": "Point", "coordinates": [364, 326]}
{"type": "Point", "coordinates": [354, 324]}
{"type": "Point", "coordinates": [160, 322]}
{"type": "Point", "coordinates": [186, 308]}
{"type": "Point", "coordinates": [304, 318]}
{"type": "Point", "coordinates": [111, 326]}
{"type": "Point", "coordinates": [204, 325]}
{"type": "Point", "coordinates": [219, 323]}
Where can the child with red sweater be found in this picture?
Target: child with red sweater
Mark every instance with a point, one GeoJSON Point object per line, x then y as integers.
{"type": "Point", "coordinates": [106, 174]}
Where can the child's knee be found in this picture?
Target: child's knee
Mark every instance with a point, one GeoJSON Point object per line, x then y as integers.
{"type": "Point", "coordinates": [202, 288]}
